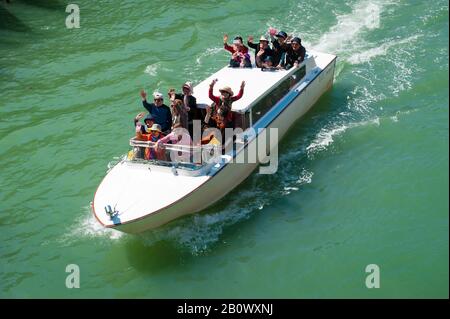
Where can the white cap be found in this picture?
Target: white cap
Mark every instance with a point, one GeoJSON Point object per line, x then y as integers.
{"type": "Point", "coordinates": [157, 95]}
{"type": "Point", "coordinates": [188, 85]}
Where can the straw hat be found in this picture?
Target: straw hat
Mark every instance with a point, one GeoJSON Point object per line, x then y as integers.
{"type": "Point", "coordinates": [227, 89]}
{"type": "Point", "coordinates": [263, 38]}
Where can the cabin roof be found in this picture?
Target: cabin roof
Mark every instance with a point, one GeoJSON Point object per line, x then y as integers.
{"type": "Point", "coordinates": [257, 82]}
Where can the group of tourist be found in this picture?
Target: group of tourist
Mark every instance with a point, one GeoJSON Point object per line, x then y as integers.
{"type": "Point", "coordinates": [286, 51]}
{"type": "Point", "coordinates": [163, 124]}
{"type": "Point", "coordinates": [174, 124]}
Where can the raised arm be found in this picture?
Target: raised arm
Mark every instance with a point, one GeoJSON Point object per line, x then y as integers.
{"type": "Point", "coordinates": [227, 47]}
{"type": "Point", "coordinates": [172, 95]}
{"type": "Point", "coordinates": [240, 94]}
{"type": "Point", "coordinates": [146, 105]}
{"type": "Point", "coordinates": [251, 44]}
{"type": "Point", "coordinates": [138, 118]}
{"type": "Point", "coordinates": [211, 90]}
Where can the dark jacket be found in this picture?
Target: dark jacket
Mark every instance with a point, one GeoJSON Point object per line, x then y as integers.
{"type": "Point", "coordinates": [278, 50]}
{"type": "Point", "coordinates": [194, 112]}
{"type": "Point", "coordinates": [267, 51]}
{"type": "Point", "coordinates": [294, 56]}
{"type": "Point", "coordinates": [161, 114]}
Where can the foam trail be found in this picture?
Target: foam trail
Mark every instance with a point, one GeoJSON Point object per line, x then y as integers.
{"type": "Point", "coordinates": [383, 49]}
{"type": "Point", "coordinates": [198, 232]}
{"type": "Point", "coordinates": [197, 71]}
{"type": "Point", "coordinates": [207, 53]}
{"type": "Point", "coordinates": [365, 15]}
{"type": "Point", "coordinates": [326, 136]}
{"type": "Point", "coordinates": [152, 69]}
{"type": "Point", "coordinates": [304, 178]}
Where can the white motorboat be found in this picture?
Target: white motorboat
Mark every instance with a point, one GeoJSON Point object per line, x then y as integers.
{"type": "Point", "coordinates": [272, 99]}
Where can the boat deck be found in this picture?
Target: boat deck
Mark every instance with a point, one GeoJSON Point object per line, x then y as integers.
{"type": "Point", "coordinates": [257, 83]}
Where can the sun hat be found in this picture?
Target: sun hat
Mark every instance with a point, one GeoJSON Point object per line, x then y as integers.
{"type": "Point", "coordinates": [227, 89]}
{"type": "Point", "coordinates": [263, 38]}
{"type": "Point", "coordinates": [155, 127]}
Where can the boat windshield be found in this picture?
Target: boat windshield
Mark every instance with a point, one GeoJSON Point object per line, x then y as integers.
{"type": "Point", "coordinates": [181, 156]}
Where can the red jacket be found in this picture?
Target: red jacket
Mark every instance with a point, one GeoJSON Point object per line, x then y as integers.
{"type": "Point", "coordinates": [216, 99]}
{"type": "Point", "coordinates": [230, 49]}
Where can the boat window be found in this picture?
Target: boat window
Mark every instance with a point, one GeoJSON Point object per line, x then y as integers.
{"type": "Point", "coordinates": [276, 94]}
{"type": "Point", "coordinates": [298, 75]}
{"type": "Point", "coordinates": [242, 120]}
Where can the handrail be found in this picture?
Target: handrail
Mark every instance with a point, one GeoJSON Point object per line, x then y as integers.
{"type": "Point", "coordinates": [172, 147]}
{"type": "Point", "coordinates": [187, 150]}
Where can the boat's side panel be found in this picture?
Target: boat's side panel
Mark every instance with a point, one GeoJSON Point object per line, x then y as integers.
{"type": "Point", "coordinates": [233, 174]}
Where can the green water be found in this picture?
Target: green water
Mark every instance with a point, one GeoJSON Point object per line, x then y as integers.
{"type": "Point", "coordinates": [362, 178]}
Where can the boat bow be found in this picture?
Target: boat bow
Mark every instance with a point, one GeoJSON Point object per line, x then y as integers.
{"type": "Point", "coordinates": [132, 191]}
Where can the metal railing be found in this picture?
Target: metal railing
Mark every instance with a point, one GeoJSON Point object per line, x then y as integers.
{"type": "Point", "coordinates": [190, 157]}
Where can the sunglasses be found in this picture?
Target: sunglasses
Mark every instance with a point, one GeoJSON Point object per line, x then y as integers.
{"type": "Point", "coordinates": [157, 99]}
